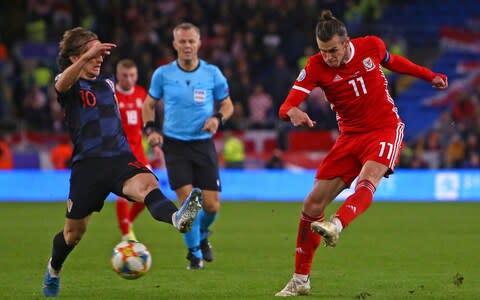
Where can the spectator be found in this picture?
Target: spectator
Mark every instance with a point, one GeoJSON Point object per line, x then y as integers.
{"type": "Point", "coordinates": [261, 109]}
{"type": "Point", "coordinates": [473, 161]}
{"type": "Point", "coordinates": [61, 154]}
{"type": "Point", "coordinates": [463, 109]}
{"type": "Point", "coordinates": [36, 109]}
{"type": "Point", "coordinates": [275, 162]}
{"type": "Point", "coordinates": [233, 151]}
{"type": "Point", "coordinates": [455, 152]}
{"type": "Point", "coordinates": [6, 159]}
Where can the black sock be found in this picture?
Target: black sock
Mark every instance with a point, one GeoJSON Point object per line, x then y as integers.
{"type": "Point", "coordinates": [60, 251]}
{"type": "Point", "coordinates": [160, 207]}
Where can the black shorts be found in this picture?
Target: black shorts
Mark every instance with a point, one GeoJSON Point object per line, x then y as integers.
{"type": "Point", "coordinates": [92, 179]}
{"type": "Point", "coordinates": [191, 162]}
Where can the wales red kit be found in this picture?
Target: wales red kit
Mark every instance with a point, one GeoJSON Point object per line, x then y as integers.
{"type": "Point", "coordinates": [130, 105]}
{"type": "Point", "coordinates": [370, 128]}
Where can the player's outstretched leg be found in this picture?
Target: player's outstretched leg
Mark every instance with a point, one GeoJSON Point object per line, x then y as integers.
{"type": "Point", "coordinates": [295, 287]}
{"type": "Point", "coordinates": [184, 217]}
{"type": "Point", "coordinates": [51, 282]}
{"type": "Point", "coordinates": [329, 230]}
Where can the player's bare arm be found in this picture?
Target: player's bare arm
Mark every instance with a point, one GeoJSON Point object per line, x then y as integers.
{"type": "Point", "coordinates": [154, 137]}
{"type": "Point", "coordinates": [224, 113]}
{"type": "Point", "coordinates": [76, 70]}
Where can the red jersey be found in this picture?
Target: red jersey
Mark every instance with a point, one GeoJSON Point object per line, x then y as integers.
{"type": "Point", "coordinates": [357, 90]}
{"type": "Point", "coordinates": [130, 106]}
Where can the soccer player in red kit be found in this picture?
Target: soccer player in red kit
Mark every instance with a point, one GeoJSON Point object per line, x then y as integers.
{"type": "Point", "coordinates": [371, 132]}
{"type": "Point", "coordinates": [130, 101]}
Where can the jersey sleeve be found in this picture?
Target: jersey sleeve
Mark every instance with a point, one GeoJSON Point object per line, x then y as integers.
{"type": "Point", "coordinates": [62, 97]}
{"type": "Point", "coordinates": [220, 90]}
{"type": "Point", "coordinates": [155, 90]}
{"type": "Point", "coordinates": [381, 48]}
{"type": "Point", "coordinates": [304, 84]}
{"type": "Point", "coordinates": [402, 65]}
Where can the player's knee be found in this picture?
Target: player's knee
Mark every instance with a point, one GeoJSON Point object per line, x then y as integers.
{"type": "Point", "coordinates": [211, 206]}
{"type": "Point", "coordinates": [73, 236]}
{"type": "Point", "coordinates": [140, 186]}
{"type": "Point", "coordinates": [148, 186]}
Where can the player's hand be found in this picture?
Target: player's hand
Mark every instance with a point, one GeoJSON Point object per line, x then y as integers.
{"type": "Point", "coordinates": [155, 139]}
{"type": "Point", "coordinates": [440, 81]}
{"type": "Point", "coordinates": [211, 125]}
{"type": "Point", "coordinates": [300, 118]}
{"type": "Point", "coordinates": [99, 49]}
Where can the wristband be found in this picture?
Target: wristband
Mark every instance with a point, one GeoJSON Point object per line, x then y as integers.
{"type": "Point", "coordinates": [150, 127]}
{"type": "Point", "coordinates": [220, 118]}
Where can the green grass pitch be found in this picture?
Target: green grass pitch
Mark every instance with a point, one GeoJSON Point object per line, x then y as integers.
{"type": "Point", "coordinates": [393, 251]}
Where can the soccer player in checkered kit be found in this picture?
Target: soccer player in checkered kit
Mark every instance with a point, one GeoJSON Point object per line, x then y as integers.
{"type": "Point", "coordinates": [102, 159]}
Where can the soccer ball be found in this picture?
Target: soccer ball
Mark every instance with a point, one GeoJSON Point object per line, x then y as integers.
{"type": "Point", "coordinates": [131, 259]}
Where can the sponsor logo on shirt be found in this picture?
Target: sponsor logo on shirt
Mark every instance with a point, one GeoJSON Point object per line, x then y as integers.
{"type": "Point", "coordinates": [302, 75]}
{"type": "Point", "coordinates": [337, 78]}
{"type": "Point", "coordinates": [368, 64]}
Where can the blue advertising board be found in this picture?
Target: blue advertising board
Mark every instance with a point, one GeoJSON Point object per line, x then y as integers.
{"type": "Point", "coordinates": [264, 185]}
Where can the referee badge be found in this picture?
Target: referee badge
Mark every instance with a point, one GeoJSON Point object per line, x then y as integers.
{"type": "Point", "coordinates": [199, 96]}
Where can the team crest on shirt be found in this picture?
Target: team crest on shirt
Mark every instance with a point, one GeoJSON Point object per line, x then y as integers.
{"type": "Point", "coordinates": [139, 102]}
{"type": "Point", "coordinates": [302, 75]}
{"type": "Point", "coordinates": [368, 64]}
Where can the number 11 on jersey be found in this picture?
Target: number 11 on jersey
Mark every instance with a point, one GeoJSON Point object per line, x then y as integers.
{"type": "Point", "coordinates": [384, 145]}
{"type": "Point", "coordinates": [355, 88]}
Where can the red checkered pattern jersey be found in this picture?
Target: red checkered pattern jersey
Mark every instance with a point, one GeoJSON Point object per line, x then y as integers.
{"type": "Point", "coordinates": [130, 105]}
{"type": "Point", "coordinates": [357, 90]}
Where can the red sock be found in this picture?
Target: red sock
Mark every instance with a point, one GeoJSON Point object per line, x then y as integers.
{"type": "Point", "coordinates": [135, 210]}
{"type": "Point", "coordinates": [307, 244]}
{"type": "Point", "coordinates": [122, 215]}
{"type": "Point", "coordinates": [356, 203]}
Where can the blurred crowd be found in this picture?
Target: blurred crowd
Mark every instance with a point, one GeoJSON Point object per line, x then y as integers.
{"type": "Point", "coordinates": [259, 45]}
{"type": "Point", "coordinates": [452, 142]}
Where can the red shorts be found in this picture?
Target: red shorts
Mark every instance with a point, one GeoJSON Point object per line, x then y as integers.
{"type": "Point", "coordinates": [351, 151]}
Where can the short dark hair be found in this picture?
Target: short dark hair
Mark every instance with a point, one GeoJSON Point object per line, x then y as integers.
{"type": "Point", "coordinates": [328, 26]}
{"type": "Point", "coordinates": [73, 42]}
{"type": "Point", "coordinates": [186, 26]}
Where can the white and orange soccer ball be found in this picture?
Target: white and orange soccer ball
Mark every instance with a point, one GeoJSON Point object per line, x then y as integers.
{"type": "Point", "coordinates": [131, 259]}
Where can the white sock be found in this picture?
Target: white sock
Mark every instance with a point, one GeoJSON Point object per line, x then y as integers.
{"type": "Point", "coordinates": [337, 223]}
{"type": "Point", "coordinates": [302, 277]}
{"type": "Point", "coordinates": [51, 270]}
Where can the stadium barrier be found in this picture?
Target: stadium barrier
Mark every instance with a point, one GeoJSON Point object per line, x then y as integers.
{"type": "Point", "coordinates": [265, 185]}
